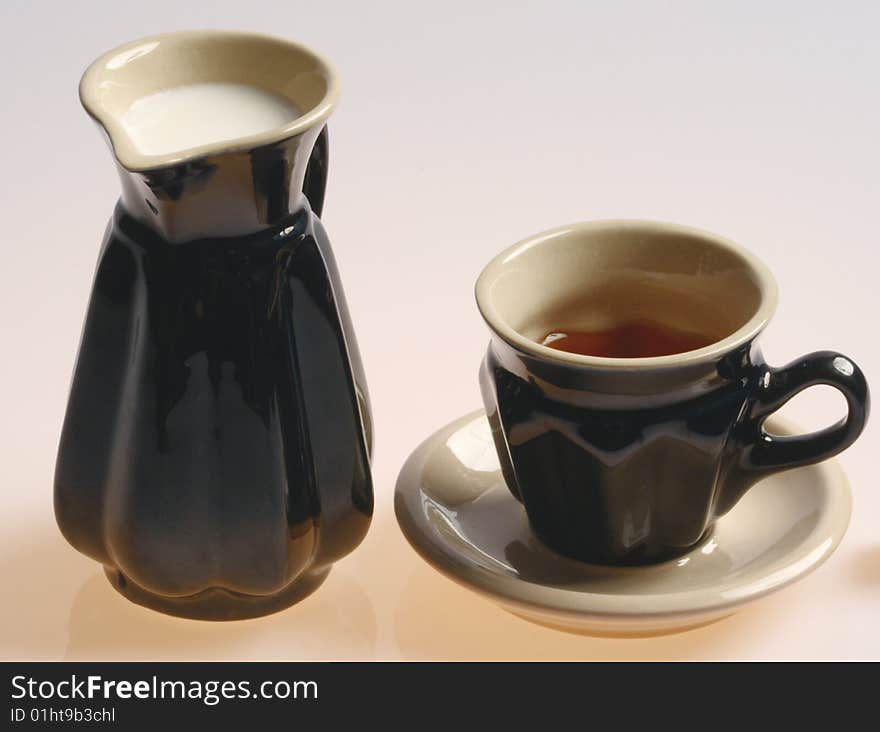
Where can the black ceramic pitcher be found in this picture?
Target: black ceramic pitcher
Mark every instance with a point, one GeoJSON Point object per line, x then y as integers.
{"type": "Point", "coordinates": [215, 452]}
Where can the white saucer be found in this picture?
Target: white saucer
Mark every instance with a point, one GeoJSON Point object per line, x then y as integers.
{"type": "Point", "coordinates": [455, 510]}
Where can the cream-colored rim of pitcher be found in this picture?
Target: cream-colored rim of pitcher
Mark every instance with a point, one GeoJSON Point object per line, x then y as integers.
{"type": "Point", "coordinates": [762, 276]}
{"type": "Point", "coordinates": [127, 154]}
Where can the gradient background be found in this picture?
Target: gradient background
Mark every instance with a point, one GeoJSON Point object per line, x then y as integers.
{"type": "Point", "coordinates": [463, 127]}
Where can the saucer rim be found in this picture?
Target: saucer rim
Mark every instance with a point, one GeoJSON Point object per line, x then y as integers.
{"type": "Point", "coordinates": [580, 605]}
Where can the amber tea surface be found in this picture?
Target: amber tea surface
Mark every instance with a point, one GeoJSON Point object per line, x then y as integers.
{"type": "Point", "coordinates": [635, 339]}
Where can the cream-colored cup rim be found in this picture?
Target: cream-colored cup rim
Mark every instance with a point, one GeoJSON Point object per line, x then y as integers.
{"type": "Point", "coordinates": [129, 156]}
{"type": "Point", "coordinates": [496, 267]}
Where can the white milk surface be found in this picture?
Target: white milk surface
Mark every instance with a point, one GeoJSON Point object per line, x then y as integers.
{"type": "Point", "coordinates": [200, 114]}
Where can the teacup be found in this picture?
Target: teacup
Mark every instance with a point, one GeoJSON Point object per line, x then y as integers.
{"type": "Point", "coordinates": [632, 460]}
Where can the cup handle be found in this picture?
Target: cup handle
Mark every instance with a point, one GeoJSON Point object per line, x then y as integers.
{"type": "Point", "coordinates": [764, 453]}
{"type": "Point", "coordinates": [315, 182]}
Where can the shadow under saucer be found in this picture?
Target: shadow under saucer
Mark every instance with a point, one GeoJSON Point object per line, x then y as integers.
{"type": "Point", "coordinates": [436, 619]}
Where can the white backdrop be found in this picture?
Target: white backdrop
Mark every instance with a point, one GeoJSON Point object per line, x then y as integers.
{"type": "Point", "coordinates": [463, 127]}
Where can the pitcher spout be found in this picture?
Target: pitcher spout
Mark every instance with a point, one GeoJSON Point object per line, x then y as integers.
{"type": "Point", "coordinates": [214, 133]}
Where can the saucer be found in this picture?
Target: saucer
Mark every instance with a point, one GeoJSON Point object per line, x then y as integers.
{"type": "Point", "coordinates": [454, 508]}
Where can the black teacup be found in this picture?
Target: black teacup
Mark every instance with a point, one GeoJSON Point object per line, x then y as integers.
{"type": "Point", "coordinates": [632, 460]}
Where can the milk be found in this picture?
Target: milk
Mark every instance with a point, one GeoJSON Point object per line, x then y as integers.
{"type": "Point", "coordinates": [201, 114]}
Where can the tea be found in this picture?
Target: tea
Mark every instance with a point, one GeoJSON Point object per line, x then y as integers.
{"type": "Point", "coordinates": [634, 339]}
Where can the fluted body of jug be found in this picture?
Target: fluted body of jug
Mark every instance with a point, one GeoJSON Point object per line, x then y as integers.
{"type": "Point", "coordinates": [215, 451]}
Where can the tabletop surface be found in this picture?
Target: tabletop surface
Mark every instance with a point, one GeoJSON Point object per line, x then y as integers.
{"type": "Point", "coordinates": [462, 129]}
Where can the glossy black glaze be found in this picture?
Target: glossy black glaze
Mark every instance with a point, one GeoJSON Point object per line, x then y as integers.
{"type": "Point", "coordinates": [621, 466]}
{"type": "Point", "coordinates": [215, 452]}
